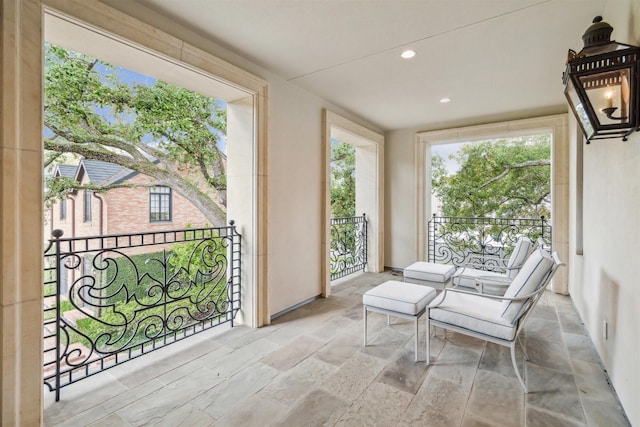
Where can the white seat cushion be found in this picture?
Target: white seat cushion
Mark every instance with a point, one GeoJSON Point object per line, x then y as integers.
{"type": "Point", "coordinates": [531, 276]}
{"type": "Point", "coordinates": [474, 313]}
{"type": "Point", "coordinates": [429, 271]}
{"type": "Point", "coordinates": [467, 277]}
{"type": "Point", "coordinates": [407, 298]}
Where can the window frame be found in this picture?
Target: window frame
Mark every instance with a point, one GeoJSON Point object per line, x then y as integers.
{"type": "Point", "coordinates": [162, 198]}
{"type": "Point", "coordinates": [63, 209]}
{"type": "Point", "coordinates": [87, 207]}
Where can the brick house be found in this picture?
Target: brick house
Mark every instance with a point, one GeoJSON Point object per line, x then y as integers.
{"type": "Point", "coordinates": [119, 210]}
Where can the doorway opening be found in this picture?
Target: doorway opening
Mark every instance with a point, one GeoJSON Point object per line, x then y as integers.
{"type": "Point", "coordinates": [366, 194]}
{"type": "Point", "coordinates": [246, 111]}
{"type": "Point", "coordinates": [555, 126]}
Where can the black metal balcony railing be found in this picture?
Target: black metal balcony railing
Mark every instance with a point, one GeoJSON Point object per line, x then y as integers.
{"type": "Point", "coordinates": [110, 299]}
{"type": "Point", "coordinates": [348, 245]}
{"type": "Point", "coordinates": [482, 242]}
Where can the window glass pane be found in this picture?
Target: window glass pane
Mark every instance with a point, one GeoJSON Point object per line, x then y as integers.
{"type": "Point", "coordinates": [63, 209]}
{"type": "Point", "coordinates": [87, 206]}
{"type": "Point", "coordinates": [159, 203]}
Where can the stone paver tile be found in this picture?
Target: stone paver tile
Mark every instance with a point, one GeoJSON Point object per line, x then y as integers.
{"type": "Point", "coordinates": [497, 399]}
{"type": "Point", "coordinates": [385, 343]}
{"type": "Point", "coordinates": [339, 350]}
{"type": "Point", "coordinates": [240, 358]}
{"type": "Point", "coordinates": [404, 373]}
{"type": "Point", "coordinates": [294, 384]}
{"type": "Point", "coordinates": [380, 405]}
{"type": "Point", "coordinates": [318, 408]}
{"type": "Point", "coordinates": [219, 354]}
{"type": "Point", "coordinates": [353, 377]}
{"type": "Point", "coordinates": [161, 361]}
{"type": "Point", "coordinates": [580, 347]}
{"type": "Point", "coordinates": [471, 420]}
{"type": "Point", "coordinates": [547, 353]}
{"type": "Point", "coordinates": [570, 323]}
{"type": "Point", "coordinates": [184, 416]}
{"type": "Point", "coordinates": [601, 413]}
{"type": "Point", "coordinates": [541, 418]}
{"type": "Point", "coordinates": [83, 396]}
{"type": "Point", "coordinates": [293, 353]}
{"type": "Point", "coordinates": [592, 382]}
{"type": "Point", "coordinates": [497, 358]}
{"type": "Point", "coordinates": [438, 403]}
{"type": "Point", "coordinates": [543, 330]}
{"type": "Point", "coordinates": [170, 398]}
{"type": "Point", "coordinates": [545, 311]}
{"type": "Point", "coordinates": [338, 325]}
{"type": "Point", "coordinates": [220, 400]}
{"type": "Point", "coordinates": [553, 391]}
{"type": "Point", "coordinates": [255, 411]}
{"type": "Point", "coordinates": [109, 421]}
{"type": "Point", "coordinates": [456, 363]}
{"type": "Point", "coordinates": [110, 406]}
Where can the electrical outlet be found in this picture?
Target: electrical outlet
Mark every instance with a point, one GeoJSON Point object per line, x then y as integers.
{"type": "Point", "coordinates": [605, 329]}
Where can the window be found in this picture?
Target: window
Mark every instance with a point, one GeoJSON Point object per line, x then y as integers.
{"type": "Point", "coordinates": [63, 209]}
{"type": "Point", "coordinates": [87, 205]}
{"type": "Point", "coordinates": [159, 204]}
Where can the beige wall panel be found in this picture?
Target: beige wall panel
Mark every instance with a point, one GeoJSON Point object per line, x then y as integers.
{"type": "Point", "coordinates": [21, 213]}
{"type": "Point", "coordinates": [21, 364]}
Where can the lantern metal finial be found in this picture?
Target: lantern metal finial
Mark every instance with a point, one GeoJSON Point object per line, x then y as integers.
{"type": "Point", "coordinates": [598, 34]}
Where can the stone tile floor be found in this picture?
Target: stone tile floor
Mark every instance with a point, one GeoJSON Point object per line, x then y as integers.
{"type": "Point", "coordinates": [309, 368]}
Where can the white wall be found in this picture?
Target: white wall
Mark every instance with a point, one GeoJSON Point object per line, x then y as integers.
{"type": "Point", "coordinates": [295, 196]}
{"type": "Point", "coordinates": [400, 199]}
{"type": "Point", "coordinates": [604, 282]}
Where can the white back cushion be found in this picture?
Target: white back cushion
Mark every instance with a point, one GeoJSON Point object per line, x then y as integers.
{"type": "Point", "coordinates": [519, 255]}
{"type": "Point", "coordinates": [531, 276]}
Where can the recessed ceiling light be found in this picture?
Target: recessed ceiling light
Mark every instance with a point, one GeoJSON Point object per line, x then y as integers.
{"type": "Point", "coordinates": [407, 54]}
{"type": "Point", "coordinates": [445, 100]}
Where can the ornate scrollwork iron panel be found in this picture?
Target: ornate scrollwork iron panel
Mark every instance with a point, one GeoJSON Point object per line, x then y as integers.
{"type": "Point", "coordinates": [348, 245]}
{"type": "Point", "coordinates": [127, 295]}
{"type": "Point", "coordinates": [483, 243]}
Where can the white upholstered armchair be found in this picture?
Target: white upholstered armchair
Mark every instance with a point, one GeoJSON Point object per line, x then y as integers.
{"type": "Point", "coordinates": [467, 276]}
{"type": "Point", "coordinates": [497, 319]}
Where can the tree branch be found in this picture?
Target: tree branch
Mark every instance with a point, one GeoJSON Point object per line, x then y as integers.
{"type": "Point", "coordinates": [509, 168]}
{"type": "Point", "coordinates": [98, 140]}
{"type": "Point", "coordinates": [103, 155]}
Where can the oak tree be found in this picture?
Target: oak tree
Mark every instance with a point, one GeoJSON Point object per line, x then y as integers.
{"type": "Point", "coordinates": [504, 178]}
{"type": "Point", "coordinates": [166, 132]}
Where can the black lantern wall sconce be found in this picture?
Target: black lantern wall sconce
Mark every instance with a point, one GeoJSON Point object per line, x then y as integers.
{"type": "Point", "coordinates": [602, 84]}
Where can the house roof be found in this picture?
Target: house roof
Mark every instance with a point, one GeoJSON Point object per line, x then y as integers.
{"type": "Point", "coordinates": [98, 171]}
{"type": "Point", "coordinates": [68, 171]}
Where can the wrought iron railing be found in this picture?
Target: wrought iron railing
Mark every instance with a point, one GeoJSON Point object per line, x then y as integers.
{"type": "Point", "coordinates": [482, 242]}
{"type": "Point", "coordinates": [348, 245]}
{"type": "Point", "coordinates": [110, 299]}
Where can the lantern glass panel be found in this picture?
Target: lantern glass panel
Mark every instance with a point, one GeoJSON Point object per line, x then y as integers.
{"type": "Point", "coordinates": [608, 93]}
{"type": "Point", "coordinates": [579, 109]}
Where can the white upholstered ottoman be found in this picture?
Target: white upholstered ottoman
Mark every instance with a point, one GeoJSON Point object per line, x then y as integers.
{"type": "Point", "coordinates": [400, 299]}
{"type": "Point", "coordinates": [429, 273]}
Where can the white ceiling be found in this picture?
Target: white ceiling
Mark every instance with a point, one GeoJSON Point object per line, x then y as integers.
{"type": "Point", "coordinates": [495, 59]}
